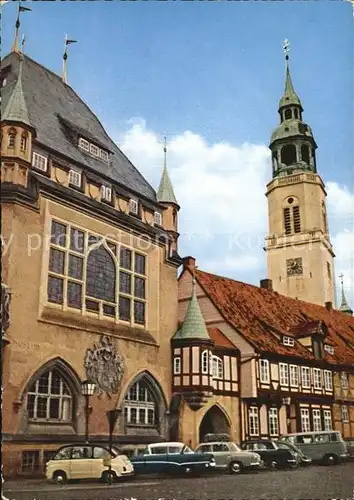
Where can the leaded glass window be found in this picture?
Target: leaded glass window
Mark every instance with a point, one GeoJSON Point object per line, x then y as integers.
{"type": "Point", "coordinates": [139, 405]}
{"type": "Point", "coordinates": [82, 274]}
{"type": "Point", "coordinates": [125, 258]}
{"type": "Point", "coordinates": [49, 398]}
{"type": "Point", "coordinates": [139, 263]}
{"type": "Point", "coordinates": [101, 275]}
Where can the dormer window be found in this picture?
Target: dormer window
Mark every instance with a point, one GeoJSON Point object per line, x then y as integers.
{"type": "Point", "coordinates": [328, 348]}
{"type": "Point", "coordinates": [94, 150]}
{"type": "Point", "coordinates": [104, 155]}
{"type": "Point", "coordinates": [289, 341]}
{"type": "Point", "coordinates": [106, 193]}
{"type": "Point", "coordinates": [157, 219]}
{"type": "Point", "coordinates": [133, 206]}
{"type": "Point", "coordinates": [75, 178]}
{"type": "Point", "coordinates": [83, 144]}
{"type": "Point", "coordinates": [39, 162]}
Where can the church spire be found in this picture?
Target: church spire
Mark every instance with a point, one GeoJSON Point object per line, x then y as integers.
{"type": "Point", "coordinates": [16, 109]}
{"type": "Point", "coordinates": [344, 307]}
{"type": "Point", "coordinates": [165, 193]}
{"type": "Point", "coordinates": [289, 97]}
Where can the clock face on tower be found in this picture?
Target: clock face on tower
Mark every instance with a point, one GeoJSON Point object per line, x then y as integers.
{"type": "Point", "coordinates": [294, 266]}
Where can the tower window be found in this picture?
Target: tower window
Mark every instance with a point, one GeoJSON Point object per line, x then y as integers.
{"type": "Point", "coordinates": [296, 113]}
{"type": "Point", "coordinates": [288, 154]}
{"type": "Point", "coordinates": [288, 114]}
{"type": "Point", "coordinates": [287, 221]}
{"type": "Point", "coordinates": [296, 219]}
{"type": "Point", "coordinates": [12, 139]}
{"type": "Point", "coordinates": [23, 142]}
{"type": "Point", "coordinates": [305, 153]}
{"type": "Point", "coordinates": [329, 270]}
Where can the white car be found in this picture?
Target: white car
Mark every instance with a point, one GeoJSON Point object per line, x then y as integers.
{"type": "Point", "coordinates": [88, 461]}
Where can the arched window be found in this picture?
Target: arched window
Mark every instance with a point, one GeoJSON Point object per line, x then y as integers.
{"type": "Point", "coordinates": [288, 114]}
{"type": "Point", "coordinates": [101, 275]}
{"type": "Point", "coordinates": [291, 216]}
{"type": "Point", "coordinates": [23, 142]}
{"type": "Point", "coordinates": [11, 138]}
{"type": "Point", "coordinates": [205, 362]}
{"type": "Point", "coordinates": [139, 405]}
{"type": "Point", "coordinates": [288, 154]}
{"type": "Point", "coordinates": [49, 398]}
{"type": "Point", "coordinates": [296, 114]}
{"type": "Point", "coordinates": [305, 153]}
{"type": "Point", "coordinates": [324, 218]}
{"type": "Point", "coordinates": [174, 217]}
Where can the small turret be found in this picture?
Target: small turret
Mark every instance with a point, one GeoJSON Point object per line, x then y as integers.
{"type": "Point", "coordinates": [166, 196]}
{"type": "Point", "coordinates": [17, 135]}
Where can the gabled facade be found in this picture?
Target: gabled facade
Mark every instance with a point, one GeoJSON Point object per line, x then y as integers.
{"type": "Point", "coordinates": [90, 263]}
{"type": "Point", "coordinates": [291, 353]}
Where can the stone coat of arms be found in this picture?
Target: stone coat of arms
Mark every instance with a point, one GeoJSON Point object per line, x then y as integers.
{"type": "Point", "coordinates": [104, 366]}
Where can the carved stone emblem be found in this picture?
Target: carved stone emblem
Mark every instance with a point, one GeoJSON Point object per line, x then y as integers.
{"type": "Point", "coordinates": [5, 307]}
{"type": "Point", "coordinates": [104, 365]}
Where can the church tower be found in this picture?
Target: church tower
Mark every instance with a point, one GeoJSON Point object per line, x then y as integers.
{"type": "Point", "coordinates": [299, 251]}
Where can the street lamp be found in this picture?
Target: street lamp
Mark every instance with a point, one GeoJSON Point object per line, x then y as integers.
{"type": "Point", "coordinates": [87, 390]}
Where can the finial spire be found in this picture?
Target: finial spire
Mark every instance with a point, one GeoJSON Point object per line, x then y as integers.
{"type": "Point", "coordinates": [286, 48]}
{"type": "Point", "coordinates": [23, 44]}
{"type": "Point", "coordinates": [65, 57]}
{"type": "Point", "coordinates": [21, 8]}
{"type": "Point", "coordinates": [344, 307]}
{"type": "Point", "coordinates": [289, 97]}
{"type": "Point", "coordinates": [165, 192]}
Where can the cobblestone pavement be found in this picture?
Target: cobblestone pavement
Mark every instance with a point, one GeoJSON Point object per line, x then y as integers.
{"type": "Point", "coordinates": [311, 483]}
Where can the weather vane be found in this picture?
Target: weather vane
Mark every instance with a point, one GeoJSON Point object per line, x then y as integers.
{"type": "Point", "coordinates": [65, 56]}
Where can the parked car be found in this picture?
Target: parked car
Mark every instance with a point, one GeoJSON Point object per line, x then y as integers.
{"type": "Point", "coordinates": [172, 458]}
{"type": "Point", "coordinates": [89, 461]}
{"type": "Point", "coordinates": [301, 458]}
{"type": "Point", "coordinates": [327, 447]}
{"type": "Point", "coordinates": [228, 456]}
{"type": "Point", "coordinates": [271, 454]}
{"type": "Point", "coordinates": [350, 448]}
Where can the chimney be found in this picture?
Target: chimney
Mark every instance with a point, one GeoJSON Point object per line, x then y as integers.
{"type": "Point", "coordinates": [189, 262]}
{"type": "Point", "coordinates": [267, 284]}
{"type": "Point", "coordinates": [329, 306]}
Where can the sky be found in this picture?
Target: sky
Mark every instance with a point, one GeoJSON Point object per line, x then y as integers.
{"type": "Point", "coordinates": [209, 76]}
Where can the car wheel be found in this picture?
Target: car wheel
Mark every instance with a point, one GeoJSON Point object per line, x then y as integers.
{"type": "Point", "coordinates": [235, 468]}
{"type": "Point", "coordinates": [330, 459]}
{"type": "Point", "coordinates": [273, 464]}
{"type": "Point", "coordinates": [60, 477]}
{"type": "Point", "coordinates": [293, 465]}
{"type": "Point", "coordinates": [187, 470]}
{"type": "Point", "coordinates": [109, 476]}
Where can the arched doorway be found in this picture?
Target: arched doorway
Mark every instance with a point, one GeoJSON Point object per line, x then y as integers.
{"type": "Point", "coordinates": [213, 422]}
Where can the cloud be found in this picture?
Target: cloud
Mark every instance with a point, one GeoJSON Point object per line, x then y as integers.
{"type": "Point", "coordinates": [221, 190]}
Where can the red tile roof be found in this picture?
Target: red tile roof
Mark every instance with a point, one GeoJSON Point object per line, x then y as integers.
{"type": "Point", "coordinates": [219, 339]}
{"type": "Point", "coordinates": [260, 315]}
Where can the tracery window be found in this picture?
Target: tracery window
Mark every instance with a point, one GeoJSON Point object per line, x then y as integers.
{"type": "Point", "coordinates": [49, 398]}
{"type": "Point", "coordinates": [139, 405]}
{"type": "Point", "coordinates": [90, 274]}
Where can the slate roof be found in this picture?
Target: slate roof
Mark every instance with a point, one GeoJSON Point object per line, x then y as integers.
{"type": "Point", "coordinates": [51, 102]}
{"type": "Point", "coordinates": [261, 315]}
{"type": "Point", "coordinates": [165, 193]}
